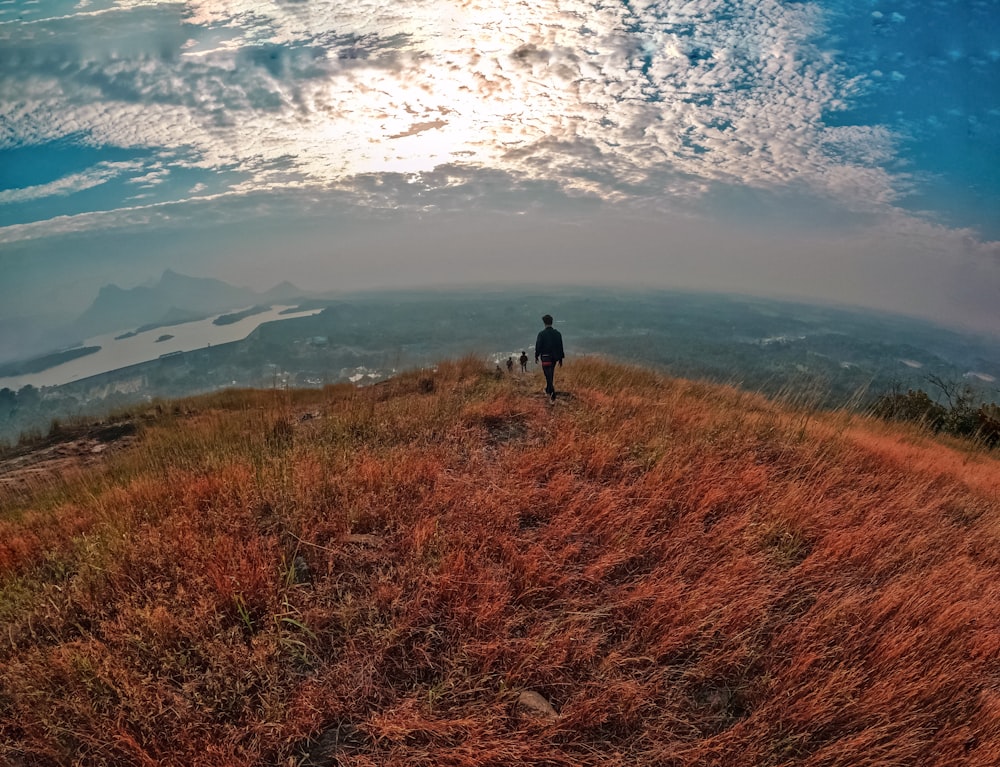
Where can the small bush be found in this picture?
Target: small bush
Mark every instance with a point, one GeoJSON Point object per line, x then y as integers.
{"type": "Point", "coordinates": [915, 406]}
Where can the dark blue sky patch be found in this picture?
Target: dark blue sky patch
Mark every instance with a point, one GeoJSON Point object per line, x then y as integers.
{"type": "Point", "coordinates": [12, 11]}
{"type": "Point", "coordinates": [120, 192]}
{"type": "Point", "coordinates": [152, 31]}
{"type": "Point", "coordinates": [26, 166]}
{"type": "Point", "coordinates": [106, 196]}
{"type": "Point", "coordinates": [146, 184]}
{"type": "Point", "coordinates": [109, 195]}
{"type": "Point", "coordinates": [930, 74]}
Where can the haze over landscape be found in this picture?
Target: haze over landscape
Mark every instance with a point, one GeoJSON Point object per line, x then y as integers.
{"type": "Point", "coordinates": [837, 151]}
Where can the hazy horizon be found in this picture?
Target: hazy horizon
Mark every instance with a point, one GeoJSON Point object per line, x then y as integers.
{"type": "Point", "coordinates": [840, 152]}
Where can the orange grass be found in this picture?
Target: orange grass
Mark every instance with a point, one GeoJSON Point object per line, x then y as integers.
{"type": "Point", "coordinates": [690, 575]}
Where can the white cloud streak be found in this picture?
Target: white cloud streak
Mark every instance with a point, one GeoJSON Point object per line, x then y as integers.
{"type": "Point", "coordinates": [76, 182]}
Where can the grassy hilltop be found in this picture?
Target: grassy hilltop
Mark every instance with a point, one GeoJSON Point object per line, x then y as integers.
{"type": "Point", "coordinates": [446, 570]}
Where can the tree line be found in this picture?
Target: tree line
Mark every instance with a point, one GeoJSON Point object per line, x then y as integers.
{"type": "Point", "coordinates": [958, 410]}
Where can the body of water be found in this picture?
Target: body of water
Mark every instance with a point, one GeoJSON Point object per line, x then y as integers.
{"type": "Point", "coordinates": [143, 347]}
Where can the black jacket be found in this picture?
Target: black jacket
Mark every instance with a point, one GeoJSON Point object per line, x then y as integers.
{"type": "Point", "coordinates": [549, 342]}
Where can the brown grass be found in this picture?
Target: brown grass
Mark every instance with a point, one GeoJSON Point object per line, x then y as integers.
{"type": "Point", "coordinates": [690, 575]}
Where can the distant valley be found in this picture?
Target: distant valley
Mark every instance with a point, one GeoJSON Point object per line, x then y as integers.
{"type": "Point", "coordinates": [830, 357]}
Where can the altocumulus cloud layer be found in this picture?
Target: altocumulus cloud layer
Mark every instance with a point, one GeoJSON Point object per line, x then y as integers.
{"type": "Point", "coordinates": [614, 99]}
{"type": "Point", "coordinates": [157, 109]}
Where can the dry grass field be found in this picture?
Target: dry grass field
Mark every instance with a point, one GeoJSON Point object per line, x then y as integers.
{"type": "Point", "coordinates": [446, 569]}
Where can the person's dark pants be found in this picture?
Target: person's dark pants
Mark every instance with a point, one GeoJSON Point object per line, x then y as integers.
{"type": "Point", "coordinates": [549, 371]}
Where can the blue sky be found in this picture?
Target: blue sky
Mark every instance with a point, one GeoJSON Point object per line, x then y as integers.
{"type": "Point", "coordinates": [841, 151]}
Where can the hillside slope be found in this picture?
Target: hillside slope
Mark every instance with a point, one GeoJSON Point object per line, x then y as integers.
{"type": "Point", "coordinates": [447, 570]}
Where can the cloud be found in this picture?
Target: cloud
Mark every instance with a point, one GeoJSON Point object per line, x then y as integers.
{"type": "Point", "coordinates": [154, 177]}
{"type": "Point", "coordinates": [608, 100]}
{"type": "Point", "coordinates": [125, 217]}
{"type": "Point", "coordinates": [76, 182]}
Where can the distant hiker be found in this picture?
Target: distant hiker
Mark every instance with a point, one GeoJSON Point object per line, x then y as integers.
{"type": "Point", "coordinates": [510, 364]}
{"type": "Point", "coordinates": [524, 362]}
{"type": "Point", "coordinates": [549, 349]}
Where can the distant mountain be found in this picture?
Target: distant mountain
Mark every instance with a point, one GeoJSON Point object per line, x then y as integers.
{"type": "Point", "coordinates": [284, 291]}
{"type": "Point", "coordinates": [173, 297]}
{"type": "Point", "coordinates": [175, 316]}
{"type": "Point", "coordinates": [25, 337]}
{"type": "Point", "coordinates": [201, 294]}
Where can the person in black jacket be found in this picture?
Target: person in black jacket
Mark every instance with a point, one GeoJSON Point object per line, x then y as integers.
{"type": "Point", "coordinates": [549, 350]}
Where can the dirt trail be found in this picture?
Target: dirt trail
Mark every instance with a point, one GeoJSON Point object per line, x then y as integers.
{"type": "Point", "coordinates": [72, 449]}
{"type": "Point", "coordinates": [66, 451]}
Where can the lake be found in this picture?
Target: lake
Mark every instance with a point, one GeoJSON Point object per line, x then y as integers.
{"type": "Point", "coordinates": [143, 347]}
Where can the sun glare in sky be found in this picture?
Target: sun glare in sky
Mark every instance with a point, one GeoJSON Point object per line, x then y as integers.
{"type": "Point", "coordinates": [848, 151]}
